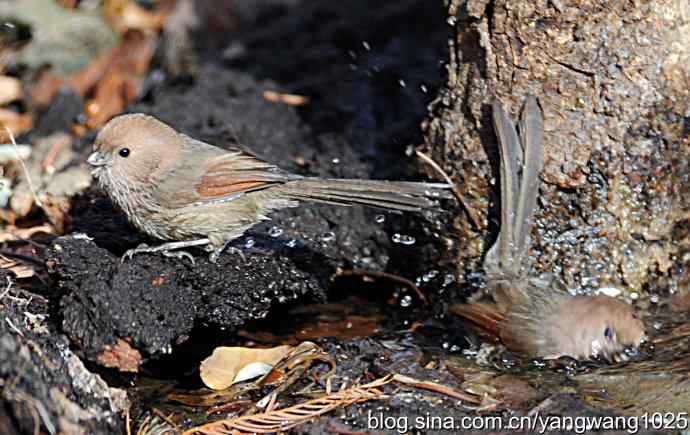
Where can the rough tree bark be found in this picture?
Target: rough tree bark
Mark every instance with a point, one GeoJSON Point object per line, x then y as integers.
{"type": "Point", "coordinates": [612, 78]}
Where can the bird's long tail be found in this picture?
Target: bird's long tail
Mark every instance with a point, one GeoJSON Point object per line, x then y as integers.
{"type": "Point", "coordinates": [390, 195]}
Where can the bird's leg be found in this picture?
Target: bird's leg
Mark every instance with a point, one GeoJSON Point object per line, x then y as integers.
{"type": "Point", "coordinates": [166, 249]}
{"type": "Point", "coordinates": [216, 251]}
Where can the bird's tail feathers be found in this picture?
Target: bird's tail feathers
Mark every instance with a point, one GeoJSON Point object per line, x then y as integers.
{"type": "Point", "coordinates": [390, 195]}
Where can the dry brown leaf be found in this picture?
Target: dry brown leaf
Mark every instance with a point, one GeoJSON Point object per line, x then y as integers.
{"type": "Point", "coordinates": [21, 270]}
{"type": "Point", "coordinates": [121, 356]}
{"type": "Point", "coordinates": [86, 78]}
{"type": "Point", "coordinates": [12, 233]}
{"type": "Point", "coordinates": [289, 99]}
{"type": "Point", "coordinates": [123, 15]}
{"type": "Point", "coordinates": [220, 370]}
{"type": "Point", "coordinates": [44, 88]}
{"type": "Point", "coordinates": [10, 89]}
{"type": "Point", "coordinates": [121, 80]}
{"type": "Point", "coordinates": [17, 122]}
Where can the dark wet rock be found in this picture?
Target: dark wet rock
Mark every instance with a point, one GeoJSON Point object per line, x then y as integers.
{"type": "Point", "coordinates": [45, 386]}
{"type": "Point", "coordinates": [150, 301]}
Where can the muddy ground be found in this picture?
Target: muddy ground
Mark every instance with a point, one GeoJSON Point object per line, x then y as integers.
{"type": "Point", "coordinates": [99, 338]}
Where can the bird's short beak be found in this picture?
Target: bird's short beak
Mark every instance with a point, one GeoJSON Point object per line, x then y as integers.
{"type": "Point", "coordinates": [96, 159]}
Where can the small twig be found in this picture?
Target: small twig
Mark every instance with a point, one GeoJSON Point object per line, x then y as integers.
{"type": "Point", "coordinates": [453, 187]}
{"type": "Point", "coordinates": [26, 171]}
{"type": "Point", "coordinates": [14, 328]}
{"type": "Point", "coordinates": [128, 423]}
{"type": "Point", "coordinates": [386, 275]}
{"type": "Point", "coordinates": [7, 289]}
{"type": "Point", "coordinates": [166, 419]}
{"type": "Point", "coordinates": [435, 387]}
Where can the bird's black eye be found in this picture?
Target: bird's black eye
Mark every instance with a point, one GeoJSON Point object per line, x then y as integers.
{"type": "Point", "coordinates": [608, 332]}
{"type": "Point", "coordinates": [124, 152]}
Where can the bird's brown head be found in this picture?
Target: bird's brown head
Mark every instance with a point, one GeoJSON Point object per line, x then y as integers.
{"type": "Point", "coordinates": [596, 326]}
{"type": "Point", "coordinates": [133, 148]}
{"type": "Point", "coordinates": [548, 323]}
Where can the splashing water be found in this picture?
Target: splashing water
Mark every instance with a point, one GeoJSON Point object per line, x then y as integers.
{"type": "Point", "coordinates": [406, 301]}
{"type": "Point", "coordinates": [403, 239]}
{"type": "Point", "coordinates": [275, 231]}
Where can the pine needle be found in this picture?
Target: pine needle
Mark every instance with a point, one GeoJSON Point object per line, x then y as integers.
{"type": "Point", "coordinates": [281, 420]}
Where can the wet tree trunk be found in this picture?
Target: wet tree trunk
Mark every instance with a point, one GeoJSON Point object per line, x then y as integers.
{"type": "Point", "coordinates": [612, 78]}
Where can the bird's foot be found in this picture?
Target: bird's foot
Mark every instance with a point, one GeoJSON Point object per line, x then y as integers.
{"type": "Point", "coordinates": [179, 255]}
{"type": "Point", "coordinates": [138, 250]}
{"type": "Point", "coordinates": [167, 249]}
{"type": "Point", "coordinates": [215, 252]}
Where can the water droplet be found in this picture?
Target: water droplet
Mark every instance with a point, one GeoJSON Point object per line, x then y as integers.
{"type": "Point", "coordinates": [366, 45]}
{"type": "Point", "coordinates": [429, 275]}
{"type": "Point", "coordinates": [451, 21]}
{"type": "Point", "coordinates": [380, 218]}
{"type": "Point", "coordinates": [406, 301]}
{"type": "Point", "coordinates": [403, 239]}
{"type": "Point", "coordinates": [609, 291]}
{"type": "Point", "coordinates": [446, 345]}
{"type": "Point", "coordinates": [335, 160]}
{"type": "Point", "coordinates": [424, 89]}
{"type": "Point", "coordinates": [291, 243]}
{"type": "Point", "coordinates": [275, 231]}
{"type": "Point", "coordinates": [328, 237]}
{"type": "Point", "coordinates": [249, 243]}
{"type": "Point", "coordinates": [402, 83]}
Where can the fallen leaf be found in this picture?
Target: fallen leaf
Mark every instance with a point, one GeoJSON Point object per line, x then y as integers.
{"type": "Point", "coordinates": [120, 356]}
{"type": "Point", "coordinates": [10, 89]}
{"type": "Point", "coordinates": [121, 83]}
{"type": "Point", "coordinates": [123, 15]}
{"type": "Point", "coordinates": [17, 122]}
{"type": "Point", "coordinates": [21, 270]}
{"type": "Point", "coordinates": [289, 99]}
{"type": "Point", "coordinates": [12, 233]}
{"type": "Point", "coordinates": [221, 369]}
{"type": "Point", "coordinates": [44, 88]}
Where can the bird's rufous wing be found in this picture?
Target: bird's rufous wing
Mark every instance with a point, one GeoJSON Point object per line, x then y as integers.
{"type": "Point", "coordinates": [237, 172]}
{"type": "Point", "coordinates": [485, 316]}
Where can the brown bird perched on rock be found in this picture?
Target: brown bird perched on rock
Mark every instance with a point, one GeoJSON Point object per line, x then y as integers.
{"type": "Point", "coordinates": [529, 316]}
{"type": "Point", "coordinates": [189, 193]}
